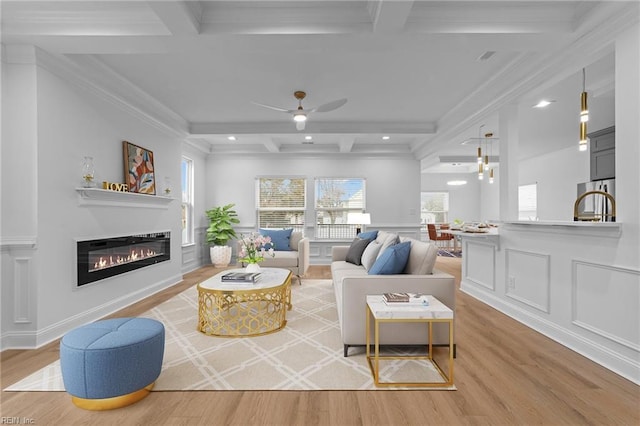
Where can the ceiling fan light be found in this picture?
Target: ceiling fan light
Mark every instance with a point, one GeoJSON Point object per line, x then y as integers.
{"type": "Point", "coordinates": [299, 117]}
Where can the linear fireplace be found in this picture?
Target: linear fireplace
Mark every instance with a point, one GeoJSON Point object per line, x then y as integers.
{"type": "Point", "coordinates": [107, 257]}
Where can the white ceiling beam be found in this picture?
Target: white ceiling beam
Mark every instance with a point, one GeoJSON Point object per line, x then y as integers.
{"type": "Point", "coordinates": [180, 17]}
{"type": "Point", "coordinates": [271, 145]}
{"type": "Point", "coordinates": [389, 16]}
{"type": "Point", "coordinates": [346, 144]}
{"type": "Point", "coordinates": [288, 127]}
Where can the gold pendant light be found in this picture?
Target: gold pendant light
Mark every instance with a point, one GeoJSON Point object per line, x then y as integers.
{"type": "Point", "coordinates": [584, 115]}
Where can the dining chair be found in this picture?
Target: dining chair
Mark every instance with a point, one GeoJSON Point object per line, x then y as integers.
{"type": "Point", "coordinates": [440, 240]}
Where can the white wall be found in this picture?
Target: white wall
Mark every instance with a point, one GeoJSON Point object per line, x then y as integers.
{"type": "Point", "coordinates": [577, 283]}
{"type": "Point", "coordinates": [392, 184]}
{"type": "Point", "coordinates": [475, 201]}
{"type": "Point", "coordinates": [557, 175]}
{"type": "Point", "coordinates": [392, 188]}
{"type": "Point", "coordinates": [40, 300]}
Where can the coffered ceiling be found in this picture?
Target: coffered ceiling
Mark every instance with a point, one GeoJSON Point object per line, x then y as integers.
{"type": "Point", "coordinates": [424, 73]}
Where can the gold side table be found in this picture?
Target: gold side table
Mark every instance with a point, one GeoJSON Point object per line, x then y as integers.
{"type": "Point", "coordinates": [436, 312]}
{"type": "Point", "coordinates": [229, 309]}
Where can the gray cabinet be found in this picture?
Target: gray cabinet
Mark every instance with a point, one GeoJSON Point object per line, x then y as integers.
{"type": "Point", "coordinates": [603, 153]}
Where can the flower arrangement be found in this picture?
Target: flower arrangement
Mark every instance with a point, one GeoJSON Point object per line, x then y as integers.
{"type": "Point", "coordinates": [253, 248]}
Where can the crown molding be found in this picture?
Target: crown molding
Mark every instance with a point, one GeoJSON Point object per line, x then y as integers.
{"type": "Point", "coordinates": [92, 75]}
{"type": "Point", "coordinates": [529, 71]}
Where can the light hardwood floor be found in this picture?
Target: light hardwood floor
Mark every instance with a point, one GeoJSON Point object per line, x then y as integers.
{"type": "Point", "coordinates": [505, 374]}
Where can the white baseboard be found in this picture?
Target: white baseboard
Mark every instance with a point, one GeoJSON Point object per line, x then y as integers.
{"type": "Point", "coordinates": [39, 338]}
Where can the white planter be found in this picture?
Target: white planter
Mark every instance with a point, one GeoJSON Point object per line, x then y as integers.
{"type": "Point", "coordinates": [220, 256]}
{"type": "Point", "coordinates": [253, 267]}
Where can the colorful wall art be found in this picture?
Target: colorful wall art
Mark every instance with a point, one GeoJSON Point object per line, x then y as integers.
{"type": "Point", "coordinates": [139, 171]}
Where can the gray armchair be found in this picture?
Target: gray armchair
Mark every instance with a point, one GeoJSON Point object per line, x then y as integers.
{"type": "Point", "coordinates": [296, 260]}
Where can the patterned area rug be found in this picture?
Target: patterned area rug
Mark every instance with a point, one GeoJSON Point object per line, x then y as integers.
{"type": "Point", "coordinates": [305, 355]}
{"type": "Point", "coordinates": [447, 253]}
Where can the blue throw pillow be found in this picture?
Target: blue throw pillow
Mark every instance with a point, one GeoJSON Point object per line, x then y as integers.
{"type": "Point", "coordinates": [280, 238]}
{"type": "Point", "coordinates": [369, 235]}
{"type": "Point", "coordinates": [393, 260]}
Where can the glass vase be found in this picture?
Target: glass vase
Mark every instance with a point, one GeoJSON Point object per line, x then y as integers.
{"type": "Point", "coordinates": [88, 173]}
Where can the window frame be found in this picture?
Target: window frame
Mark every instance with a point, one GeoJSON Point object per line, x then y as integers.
{"type": "Point", "coordinates": [444, 212]}
{"type": "Point", "coordinates": [535, 203]}
{"type": "Point", "coordinates": [337, 231]}
{"type": "Point", "coordinates": [187, 205]}
{"type": "Point", "coordinates": [301, 211]}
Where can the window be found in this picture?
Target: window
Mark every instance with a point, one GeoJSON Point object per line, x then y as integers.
{"type": "Point", "coordinates": [334, 200]}
{"type": "Point", "coordinates": [281, 202]}
{"type": "Point", "coordinates": [434, 207]}
{"type": "Point", "coordinates": [187, 201]}
{"type": "Point", "coordinates": [528, 202]}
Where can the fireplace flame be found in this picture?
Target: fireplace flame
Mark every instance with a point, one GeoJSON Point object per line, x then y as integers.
{"type": "Point", "coordinates": [135, 254]}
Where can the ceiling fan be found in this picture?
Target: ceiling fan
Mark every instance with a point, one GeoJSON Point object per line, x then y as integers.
{"type": "Point", "coordinates": [300, 114]}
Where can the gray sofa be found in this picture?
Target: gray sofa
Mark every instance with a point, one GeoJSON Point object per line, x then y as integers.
{"type": "Point", "coordinates": [296, 259]}
{"type": "Point", "coordinates": [352, 284]}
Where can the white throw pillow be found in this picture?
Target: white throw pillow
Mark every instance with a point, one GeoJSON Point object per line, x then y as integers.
{"type": "Point", "coordinates": [370, 254]}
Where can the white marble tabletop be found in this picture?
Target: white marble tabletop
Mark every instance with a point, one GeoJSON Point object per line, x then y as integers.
{"type": "Point", "coordinates": [382, 310]}
{"type": "Point", "coordinates": [269, 277]}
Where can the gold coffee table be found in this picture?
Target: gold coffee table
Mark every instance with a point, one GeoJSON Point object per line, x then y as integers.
{"type": "Point", "coordinates": [230, 309]}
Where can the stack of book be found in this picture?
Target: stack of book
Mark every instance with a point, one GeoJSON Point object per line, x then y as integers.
{"type": "Point", "coordinates": [406, 299]}
{"type": "Point", "coordinates": [241, 277]}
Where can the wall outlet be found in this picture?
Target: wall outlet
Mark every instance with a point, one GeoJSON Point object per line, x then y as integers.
{"type": "Point", "coordinates": [512, 283]}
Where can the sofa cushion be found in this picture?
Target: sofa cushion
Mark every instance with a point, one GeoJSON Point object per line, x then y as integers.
{"type": "Point", "coordinates": [393, 260]}
{"type": "Point", "coordinates": [296, 237]}
{"type": "Point", "coordinates": [422, 257]}
{"type": "Point", "coordinates": [387, 239]}
{"type": "Point", "coordinates": [369, 235]}
{"type": "Point", "coordinates": [354, 255]}
{"type": "Point", "coordinates": [280, 238]}
{"type": "Point", "coordinates": [338, 274]}
{"type": "Point", "coordinates": [370, 254]}
{"type": "Point", "coordinates": [281, 259]}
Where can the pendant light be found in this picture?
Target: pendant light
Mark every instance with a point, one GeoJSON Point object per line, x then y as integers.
{"type": "Point", "coordinates": [491, 169]}
{"type": "Point", "coordinates": [584, 115]}
{"type": "Point", "coordinates": [480, 171]}
{"type": "Point", "coordinates": [480, 145]}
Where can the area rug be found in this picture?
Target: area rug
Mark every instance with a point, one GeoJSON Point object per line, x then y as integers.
{"type": "Point", "coordinates": [306, 355]}
{"type": "Point", "coordinates": [447, 253]}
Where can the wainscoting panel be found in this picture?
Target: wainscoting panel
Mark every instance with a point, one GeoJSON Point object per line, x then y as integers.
{"type": "Point", "coordinates": [528, 278]}
{"type": "Point", "coordinates": [606, 301]}
{"type": "Point", "coordinates": [479, 264]}
{"type": "Point", "coordinates": [22, 270]}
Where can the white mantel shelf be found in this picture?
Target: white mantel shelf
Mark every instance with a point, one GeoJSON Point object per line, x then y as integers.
{"type": "Point", "coordinates": [104, 197]}
{"type": "Point", "coordinates": [601, 229]}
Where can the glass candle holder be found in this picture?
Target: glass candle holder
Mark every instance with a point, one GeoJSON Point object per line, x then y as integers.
{"type": "Point", "coordinates": [88, 173]}
{"type": "Point", "coordinates": [167, 186]}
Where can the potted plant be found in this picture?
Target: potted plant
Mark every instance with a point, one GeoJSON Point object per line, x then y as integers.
{"type": "Point", "coordinates": [220, 231]}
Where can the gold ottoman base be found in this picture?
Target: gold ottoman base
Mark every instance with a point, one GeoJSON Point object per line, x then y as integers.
{"type": "Point", "coordinates": [114, 402]}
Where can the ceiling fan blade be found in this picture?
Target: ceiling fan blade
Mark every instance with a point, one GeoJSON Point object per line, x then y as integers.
{"type": "Point", "coordinates": [330, 106]}
{"type": "Point", "coordinates": [273, 107]}
{"type": "Point", "coordinates": [300, 125]}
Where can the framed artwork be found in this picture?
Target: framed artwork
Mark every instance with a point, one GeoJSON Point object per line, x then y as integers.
{"type": "Point", "coordinates": [138, 169]}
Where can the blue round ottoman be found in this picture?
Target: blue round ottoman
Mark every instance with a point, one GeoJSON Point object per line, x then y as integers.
{"type": "Point", "coordinates": [112, 363]}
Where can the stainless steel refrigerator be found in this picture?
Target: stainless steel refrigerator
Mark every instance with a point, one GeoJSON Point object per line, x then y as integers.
{"type": "Point", "coordinates": [597, 205]}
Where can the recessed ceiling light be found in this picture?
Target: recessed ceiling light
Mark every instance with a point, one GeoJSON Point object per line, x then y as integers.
{"type": "Point", "coordinates": [308, 137]}
{"type": "Point", "coordinates": [456, 164]}
{"type": "Point", "coordinates": [231, 138]}
{"type": "Point", "coordinates": [543, 103]}
{"type": "Point", "coordinates": [386, 138]}
{"type": "Point", "coordinates": [457, 182]}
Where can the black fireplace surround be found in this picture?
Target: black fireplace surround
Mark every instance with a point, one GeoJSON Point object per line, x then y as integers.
{"type": "Point", "coordinates": [107, 257]}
